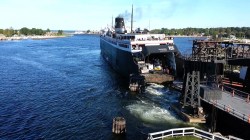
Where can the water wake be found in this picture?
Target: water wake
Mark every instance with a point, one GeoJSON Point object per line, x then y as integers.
{"type": "Point", "coordinates": [153, 106]}
{"type": "Point", "coordinates": [155, 89]}
{"type": "Point", "coordinates": [151, 113]}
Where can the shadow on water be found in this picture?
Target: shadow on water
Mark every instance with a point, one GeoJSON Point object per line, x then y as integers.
{"type": "Point", "coordinates": [119, 137]}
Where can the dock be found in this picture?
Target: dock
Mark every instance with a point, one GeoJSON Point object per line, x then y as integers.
{"type": "Point", "coordinates": [188, 115]}
{"type": "Point", "coordinates": [217, 79]}
{"type": "Point", "coordinates": [158, 78]}
{"type": "Point", "coordinates": [236, 102]}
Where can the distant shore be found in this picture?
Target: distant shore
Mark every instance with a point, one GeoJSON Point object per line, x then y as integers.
{"type": "Point", "coordinates": [187, 36]}
{"type": "Point", "coordinates": [37, 37]}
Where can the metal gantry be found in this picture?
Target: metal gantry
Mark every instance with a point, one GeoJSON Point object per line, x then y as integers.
{"type": "Point", "coordinates": [219, 50]}
{"type": "Point", "coordinates": [192, 90]}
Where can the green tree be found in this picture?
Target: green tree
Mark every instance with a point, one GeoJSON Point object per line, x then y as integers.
{"type": "Point", "coordinates": [16, 32]}
{"type": "Point", "coordinates": [1, 31]}
{"type": "Point", "coordinates": [59, 32]}
{"type": "Point", "coordinates": [247, 34]}
{"type": "Point", "coordinates": [155, 31]}
{"type": "Point", "coordinates": [220, 31]}
{"type": "Point", "coordinates": [206, 33]}
{"type": "Point", "coordinates": [228, 31]}
{"type": "Point", "coordinates": [48, 30]}
{"type": "Point", "coordinates": [145, 30]}
{"type": "Point", "coordinates": [40, 32]}
{"type": "Point", "coordinates": [24, 31]}
{"type": "Point", "coordinates": [8, 32]}
{"type": "Point", "coordinates": [33, 31]}
{"type": "Point", "coordinates": [172, 32]}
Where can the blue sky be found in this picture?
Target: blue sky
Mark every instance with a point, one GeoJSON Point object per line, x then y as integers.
{"type": "Point", "coordinates": [96, 14]}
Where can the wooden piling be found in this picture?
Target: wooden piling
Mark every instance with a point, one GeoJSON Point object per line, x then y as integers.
{"type": "Point", "coordinates": [119, 125]}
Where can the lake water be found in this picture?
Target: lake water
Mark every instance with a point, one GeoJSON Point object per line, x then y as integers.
{"type": "Point", "coordinates": [63, 89]}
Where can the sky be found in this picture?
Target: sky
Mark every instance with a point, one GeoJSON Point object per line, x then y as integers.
{"type": "Point", "coordinates": [97, 14]}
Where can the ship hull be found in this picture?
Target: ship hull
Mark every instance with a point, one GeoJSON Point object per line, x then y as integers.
{"type": "Point", "coordinates": [121, 61]}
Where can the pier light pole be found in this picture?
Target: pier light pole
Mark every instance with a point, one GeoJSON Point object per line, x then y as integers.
{"type": "Point", "coordinates": [132, 20]}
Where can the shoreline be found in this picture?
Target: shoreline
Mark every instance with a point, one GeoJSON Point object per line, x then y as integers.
{"type": "Point", "coordinates": [39, 37]}
{"type": "Point", "coordinates": [186, 36]}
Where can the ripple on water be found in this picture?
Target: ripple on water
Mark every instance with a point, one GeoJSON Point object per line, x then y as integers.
{"type": "Point", "coordinates": [63, 89]}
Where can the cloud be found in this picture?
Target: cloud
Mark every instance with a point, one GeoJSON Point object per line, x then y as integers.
{"type": "Point", "coordinates": [138, 13]}
{"type": "Point", "coordinates": [158, 9]}
{"type": "Point", "coordinates": [126, 15]}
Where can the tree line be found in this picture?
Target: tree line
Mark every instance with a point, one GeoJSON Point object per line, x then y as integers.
{"type": "Point", "coordinates": [26, 31]}
{"type": "Point", "coordinates": [239, 32]}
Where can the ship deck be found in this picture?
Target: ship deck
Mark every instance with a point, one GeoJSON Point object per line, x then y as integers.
{"type": "Point", "coordinates": [158, 78]}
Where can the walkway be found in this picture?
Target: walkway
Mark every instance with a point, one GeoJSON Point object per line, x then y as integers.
{"type": "Point", "coordinates": [235, 103]}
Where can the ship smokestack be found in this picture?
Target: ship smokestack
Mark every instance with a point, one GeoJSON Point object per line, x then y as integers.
{"type": "Point", "coordinates": [119, 25]}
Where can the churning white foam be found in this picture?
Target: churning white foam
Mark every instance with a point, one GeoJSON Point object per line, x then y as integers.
{"type": "Point", "coordinates": [154, 85]}
{"type": "Point", "coordinates": [155, 89]}
{"type": "Point", "coordinates": [150, 113]}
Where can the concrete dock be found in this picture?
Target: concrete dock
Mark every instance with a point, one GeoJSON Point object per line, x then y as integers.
{"type": "Point", "coordinates": [235, 104]}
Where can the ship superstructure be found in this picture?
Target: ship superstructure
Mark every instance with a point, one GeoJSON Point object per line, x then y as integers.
{"type": "Point", "coordinates": [139, 56]}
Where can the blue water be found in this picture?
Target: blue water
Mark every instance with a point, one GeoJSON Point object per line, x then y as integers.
{"type": "Point", "coordinates": [185, 44]}
{"type": "Point", "coordinates": [63, 89]}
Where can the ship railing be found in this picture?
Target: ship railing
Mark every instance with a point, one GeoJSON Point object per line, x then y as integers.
{"type": "Point", "coordinates": [151, 41]}
{"type": "Point", "coordinates": [188, 131]}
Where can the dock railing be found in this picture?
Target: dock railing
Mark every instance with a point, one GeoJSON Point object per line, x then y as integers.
{"type": "Point", "coordinates": [188, 131]}
{"type": "Point", "coordinates": [227, 108]}
{"type": "Point", "coordinates": [234, 92]}
{"type": "Point", "coordinates": [230, 110]}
